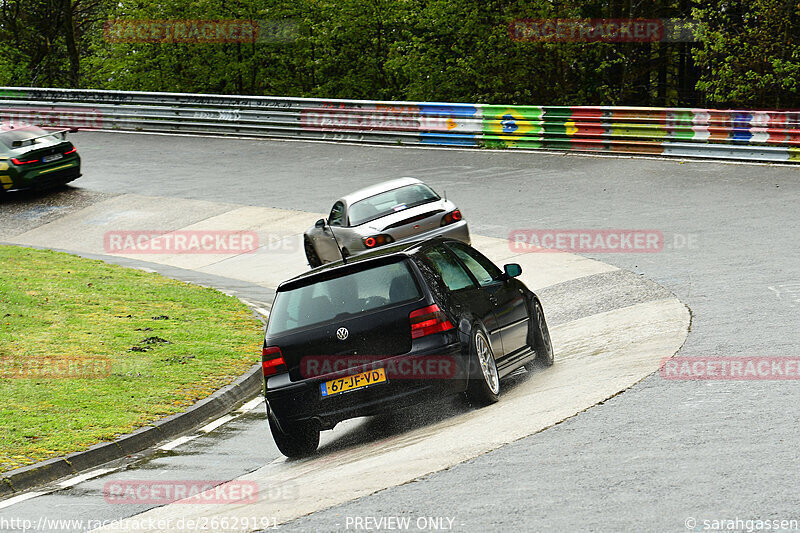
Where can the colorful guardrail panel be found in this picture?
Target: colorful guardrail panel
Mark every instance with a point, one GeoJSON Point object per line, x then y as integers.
{"type": "Point", "coordinates": [710, 133]}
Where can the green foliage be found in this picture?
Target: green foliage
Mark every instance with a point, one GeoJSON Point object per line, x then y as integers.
{"type": "Point", "coordinates": [433, 50]}
{"type": "Point", "coordinates": [751, 53]}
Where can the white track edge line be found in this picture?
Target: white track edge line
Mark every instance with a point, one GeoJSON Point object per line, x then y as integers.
{"type": "Point", "coordinates": [19, 499]}
{"type": "Point", "coordinates": [71, 482]}
{"type": "Point", "coordinates": [208, 428]}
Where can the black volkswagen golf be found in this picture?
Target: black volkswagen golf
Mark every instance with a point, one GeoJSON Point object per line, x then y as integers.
{"type": "Point", "coordinates": [392, 328]}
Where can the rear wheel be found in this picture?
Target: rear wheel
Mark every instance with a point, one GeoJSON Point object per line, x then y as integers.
{"type": "Point", "coordinates": [484, 381]}
{"type": "Point", "coordinates": [301, 440]}
{"type": "Point", "coordinates": [541, 340]}
{"type": "Point", "coordinates": [311, 254]}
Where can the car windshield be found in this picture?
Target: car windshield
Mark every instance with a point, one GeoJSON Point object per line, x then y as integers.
{"type": "Point", "coordinates": [344, 296]}
{"type": "Point", "coordinates": [389, 202]}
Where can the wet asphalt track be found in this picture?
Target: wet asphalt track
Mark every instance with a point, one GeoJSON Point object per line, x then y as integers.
{"type": "Point", "coordinates": [647, 460]}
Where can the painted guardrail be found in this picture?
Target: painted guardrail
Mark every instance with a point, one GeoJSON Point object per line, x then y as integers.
{"type": "Point", "coordinates": [705, 133]}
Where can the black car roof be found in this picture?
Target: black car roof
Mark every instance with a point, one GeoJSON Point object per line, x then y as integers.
{"type": "Point", "coordinates": [362, 261]}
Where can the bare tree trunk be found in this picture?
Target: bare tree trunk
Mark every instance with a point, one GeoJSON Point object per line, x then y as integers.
{"type": "Point", "coordinates": [663, 59]}
{"type": "Point", "coordinates": [72, 49]}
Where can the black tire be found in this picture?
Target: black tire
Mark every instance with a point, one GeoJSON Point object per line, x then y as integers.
{"type": "Point", "coordinates": [311, 254]}
{"type": "Point", "coordinates": [301, 441]}
{"type": "Point", "coordinates": [484, 381]}
{"type": "Point", "coordinates": [540, 341]}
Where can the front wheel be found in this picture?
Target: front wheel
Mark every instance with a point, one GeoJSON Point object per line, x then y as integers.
{"type": "Point", "coordinates": [541, 340]}
{"type": "Point", "coordinates": [484, 381]}
{"type": "Point", "coordinates": [301, 440]}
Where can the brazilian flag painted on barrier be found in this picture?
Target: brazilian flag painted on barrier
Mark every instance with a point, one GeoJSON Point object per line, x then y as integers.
{"type": "Point", "coordinates": [585, 129]}
{"type": "Point", "coordinates": [512, 126]}
{"type": "Point", "coordinates": [555, 127]}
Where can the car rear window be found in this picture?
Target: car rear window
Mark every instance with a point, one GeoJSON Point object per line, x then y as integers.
{"type": "Point", "coordinates": [8, 136]}
{"type": "Point", "coordinates": [343, 297]}
{"type": "Point", "coordinates": [390, 202]}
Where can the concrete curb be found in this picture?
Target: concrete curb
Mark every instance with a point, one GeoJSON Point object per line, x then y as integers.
{"type": "Point", "coordinates": [5, 489]}
{"type": "Point", "coordinates": [220, 403]}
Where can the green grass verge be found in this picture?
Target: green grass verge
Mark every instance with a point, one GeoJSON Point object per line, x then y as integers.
{"type": "Point", "coordinates": [100, 328]}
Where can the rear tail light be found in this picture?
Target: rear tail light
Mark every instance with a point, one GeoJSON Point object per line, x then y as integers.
{"type": "Point", "coordinates": [428, 320]}
{"type": "Point", "coordinates": [18, 162]}
{"type": "Point", "coordinates": [377, 240]}
{"type": "Point", "coordinates": [272, 361]}
{"type": "Point", "coordinates": [452, 216]}
{"type": "Point", "coordinates": [71, 151]}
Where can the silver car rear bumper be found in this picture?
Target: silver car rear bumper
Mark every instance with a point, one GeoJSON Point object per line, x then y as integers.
{"type": "Point", "coordinates": [458, 230]}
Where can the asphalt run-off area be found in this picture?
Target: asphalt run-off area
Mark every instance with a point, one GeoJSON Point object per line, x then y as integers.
{"type": "Point", "coordinates": [659, 258]}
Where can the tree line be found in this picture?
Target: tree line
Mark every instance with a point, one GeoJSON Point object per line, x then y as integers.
{"type": "Point", "coordinates": [736, 53]}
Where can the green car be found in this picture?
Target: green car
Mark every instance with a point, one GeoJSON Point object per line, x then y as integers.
{"type": "Point", "coordinates": [32, 158]}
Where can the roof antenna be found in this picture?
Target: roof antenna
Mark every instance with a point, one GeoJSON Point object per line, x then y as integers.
{"type": "Point", "coordinates": [445, 195]}
{"type": "Point", "coordinates": [344, 259]}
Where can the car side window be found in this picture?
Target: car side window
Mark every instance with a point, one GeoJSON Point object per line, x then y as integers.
{"type": "Point", "coordinates": [451, 272]}
{"type": "Point", "coordinates": [484, 270]}
{"type": "Point", "coordinates": [337, 214]}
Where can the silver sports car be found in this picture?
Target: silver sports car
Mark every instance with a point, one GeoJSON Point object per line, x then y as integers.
{"type": "Point", "coordinates": [399, 210]}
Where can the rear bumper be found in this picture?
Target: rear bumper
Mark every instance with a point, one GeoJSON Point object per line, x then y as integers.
{"type": "Point", "coordinates": [458, 230]}
{"type": "Point", "coordinates": [47, 177]}
{"type": "Point", "coordinates": [58, 178]}
{"type": "Point", "coordinates": [302, 400]}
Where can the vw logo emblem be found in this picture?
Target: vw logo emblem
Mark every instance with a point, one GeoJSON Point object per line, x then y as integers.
{"type": "Point", "coordinates": [342, 334]}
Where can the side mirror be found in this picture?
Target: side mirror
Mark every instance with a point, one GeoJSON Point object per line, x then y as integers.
{"type": "Point", "coordinates": [512, 270]}
{"type": "Point", "coordinates": [320, 223]}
